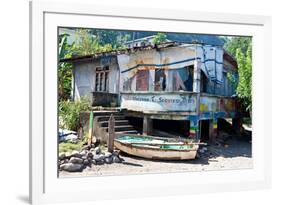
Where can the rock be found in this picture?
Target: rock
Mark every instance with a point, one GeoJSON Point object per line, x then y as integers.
{"type": "Point", "coordinates": [108, 160]}
{"type": "Point", "coordinates": [84, 157]}
{"type": "Point", "coordinates": [76, 160]}
{"type": "Point", "coordinates": [101, 162]}
{"type": "Point", "coordinates": [75, 153]}
{"type": "Point", "coordinates": [61, 155]}
{"type": "Point", "coordinates": [98, 157]}
{"type": "Point", "coordinates": [90, 155]}
{"type": "Point", "coordinates": [67, 154]}
{"type": "Point", "coordinates": [94, 162]}
{"type": "Point", "coordinates": [86, 162]}
{"type": "Point", "coordinates": [107, 154]}
{"type": "Point", "coordinates": [61, 162]}
{"type": "Point", "coordinates": [83, 152]}
{"type": "Point", "coordinates": [97, 150]}
{"type": "Point", "coordinates": [116, 153]}
{"type": "Point", "coordinates": [92, 149]}
{"type": "Point", "coordinates": [70, 167]}
{"type": "Point", "coordinates": [116, 159]}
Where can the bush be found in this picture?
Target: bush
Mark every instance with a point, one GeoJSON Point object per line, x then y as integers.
{"type": "Point", "coordinates": [159, 38]}
{"type": "Point", "coordinates": [69, 113]}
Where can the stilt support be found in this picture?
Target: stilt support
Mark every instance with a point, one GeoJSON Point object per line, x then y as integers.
{"type": "Point", "coordinates": [237, 125]}
{"type": "Point", "coordinates": [213, 130]}
{"type": "Point", "coordinates": [147, 125]}
{"type": "Point", "coordinates": [194, 129]}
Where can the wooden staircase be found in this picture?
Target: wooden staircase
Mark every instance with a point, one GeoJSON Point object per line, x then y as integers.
{"type": "Point", "coordinates": [122, 125]}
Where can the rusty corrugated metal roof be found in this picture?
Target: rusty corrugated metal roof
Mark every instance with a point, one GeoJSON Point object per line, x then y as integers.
{"type": "Point", "coordinates": [118, 52]}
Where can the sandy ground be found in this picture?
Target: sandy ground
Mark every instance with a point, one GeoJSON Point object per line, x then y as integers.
{"type": "Point", "coordinates": [234, 155]}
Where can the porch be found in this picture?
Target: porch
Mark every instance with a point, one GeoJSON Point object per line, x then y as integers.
{"type": "Point", "coordinates": [201, 111]}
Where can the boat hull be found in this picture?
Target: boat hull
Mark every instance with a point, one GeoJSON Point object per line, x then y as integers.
{"type": "Point", "coordinates": [150, 152]}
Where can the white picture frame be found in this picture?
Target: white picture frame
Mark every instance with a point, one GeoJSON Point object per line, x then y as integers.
{"type": "Point", "coordinates": [46, 187]}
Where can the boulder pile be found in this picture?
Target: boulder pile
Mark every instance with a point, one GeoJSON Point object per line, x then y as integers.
{"type": "Point", "coordinates": [78, 161]}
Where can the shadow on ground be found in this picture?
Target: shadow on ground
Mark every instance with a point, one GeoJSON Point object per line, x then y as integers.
{"type": "Point", "coordinates": [232, 148]}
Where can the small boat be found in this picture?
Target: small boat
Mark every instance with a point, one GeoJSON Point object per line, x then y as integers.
{"type": "Point", "coordinates": [151, 147]}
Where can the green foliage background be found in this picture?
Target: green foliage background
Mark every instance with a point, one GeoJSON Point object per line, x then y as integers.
{"type": "Point", "coordinates": [69, 113]}
{"type": "Point", "coordinates": [241, 49]}
{"type": "Point", "coordinates": [159, 38]}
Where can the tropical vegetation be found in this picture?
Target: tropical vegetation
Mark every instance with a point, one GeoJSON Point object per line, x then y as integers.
{"type": "Point", "coordinates": [241, 49]}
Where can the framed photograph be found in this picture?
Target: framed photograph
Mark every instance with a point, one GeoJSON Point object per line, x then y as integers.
{"type": "Point", "coordinates": [146, 102]}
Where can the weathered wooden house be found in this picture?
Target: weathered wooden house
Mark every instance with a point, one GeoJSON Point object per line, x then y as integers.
{"type": "Point", "coordinates": [171, 86]}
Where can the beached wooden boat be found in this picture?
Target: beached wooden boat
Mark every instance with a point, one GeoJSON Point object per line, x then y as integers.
{"type": "Point", "coordinates": [156, 147]}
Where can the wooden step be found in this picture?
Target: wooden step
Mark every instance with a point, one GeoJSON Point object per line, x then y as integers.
{"type": "Point", "coordinates": [106, 113]}
{"type": "Point", "coordinates": [106, 118]}
{"type": "Point", "coordinates": [117, 123]}
{"type": "Point", "coordinates": [122, 128]}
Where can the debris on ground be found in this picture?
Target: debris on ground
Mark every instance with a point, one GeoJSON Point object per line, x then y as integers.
{"type": "Point", "coordinates": [222, 138]}
{"type": "Point", "coordinates": [238, 155]}
{"type": "Point", "coordinates": [203, 153]}
{"type": "Point", "coordinates": [68, 135]}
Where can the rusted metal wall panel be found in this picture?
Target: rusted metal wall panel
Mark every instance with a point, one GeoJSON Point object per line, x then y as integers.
{"type": "Point", "coordinates": [171, 60]}
{"type": "Point", "coordinates": [166, 59]}
{"type": "Point", "coordinates": [142, 80]}
{"type": "Point", "coordinates": [212, 61]}
{"type": "Point", "coordinates": [216, 104]}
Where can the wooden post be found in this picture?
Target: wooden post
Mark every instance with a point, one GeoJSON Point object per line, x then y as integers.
{"type": "Point", "coordinates": [237, 125]}
{"type": "Point", "coordinates": [147, 125]}
{"type": "Point", "coordinates": [90, 129]}
{"type": "Point", "coordinates": [111, 134]}
{"type": "Point", "coordinates": [196, 76]}
{"type": "Point", "coordinates": [213, 130]}
{"type": "Point", "coordinates": [196, 89]}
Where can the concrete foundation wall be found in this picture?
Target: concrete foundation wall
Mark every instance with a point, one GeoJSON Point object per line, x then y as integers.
{"type": "Point", "coordinates": [105, 99]}
{"type": "Point", "coordinates": [99, 132]}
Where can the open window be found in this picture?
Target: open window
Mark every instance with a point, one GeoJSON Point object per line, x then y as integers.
{"type": "Point", "coordinates": [203, 83]}
{"type": "Point", "coordinates": [160, 80]}
{"type": "Point", "coordinates": [102, 79]}
{"type": "Point", "coordinates": [183, 79]}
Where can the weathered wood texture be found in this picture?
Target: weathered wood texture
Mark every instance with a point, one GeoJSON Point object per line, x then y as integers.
{"type": "Point", "coordinates": [111, 133]}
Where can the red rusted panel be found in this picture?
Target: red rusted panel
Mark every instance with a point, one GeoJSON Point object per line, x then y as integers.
{"type": "Point", "coordinates": [142, 80]}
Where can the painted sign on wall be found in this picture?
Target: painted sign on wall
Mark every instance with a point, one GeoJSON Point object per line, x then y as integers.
{"type": "Point", "coordinates": [159, 102]}
{"type": "Point", "coordinates": [216, 104]}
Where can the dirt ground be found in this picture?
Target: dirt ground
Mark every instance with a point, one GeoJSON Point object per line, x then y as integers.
{"type": "Point", "coordinates": [235, 154]}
